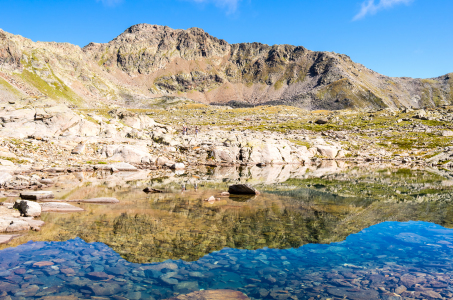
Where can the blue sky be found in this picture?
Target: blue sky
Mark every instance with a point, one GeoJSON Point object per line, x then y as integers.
{"type": "Point", "coordinates": [394, 37]}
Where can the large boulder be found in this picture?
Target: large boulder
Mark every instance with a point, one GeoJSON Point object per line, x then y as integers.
{"type": "Point", "coordinates": [128, 153]}
{"type": "Point", "coordinates": [122, 166]}
{"type": "Point", "coordinates": [305, 155]}
{"type": "Point", "coordinates": [225, 154]}
{"type": "Point", "coordinates": [139, 122]}
{"type": "Point", "coordinates": [28, 208]}
{"type": "Point", "coordinates": [265, 153]}
{"type": "Point", "coordinates": [327, 151]}
{"type": "Point", "coordinates": [242, 189]}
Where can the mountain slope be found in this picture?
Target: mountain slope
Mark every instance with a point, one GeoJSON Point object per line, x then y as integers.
{"type": "Point", "coordinates": [149, 61]}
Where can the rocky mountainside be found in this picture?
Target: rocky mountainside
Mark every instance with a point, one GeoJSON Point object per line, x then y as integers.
{"type": "Point", "coordinates": [150, 61]}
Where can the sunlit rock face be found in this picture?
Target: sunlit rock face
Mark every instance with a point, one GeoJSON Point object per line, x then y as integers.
{"type": "Point", "coordinates": [149, 61]}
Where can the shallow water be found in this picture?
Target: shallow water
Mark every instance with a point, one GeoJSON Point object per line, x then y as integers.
{"type": "Point", "coordinates": [347, 234]}
{"type": "Point", "coordinates": [386, 256]}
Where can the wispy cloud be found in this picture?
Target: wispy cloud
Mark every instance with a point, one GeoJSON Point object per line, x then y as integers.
{"type": "Point", "coordinates": [230, 5]}
{"type": "Point", "coordinates": [110, 2]}
{"type": "Point", "coordinates": [371, 7]}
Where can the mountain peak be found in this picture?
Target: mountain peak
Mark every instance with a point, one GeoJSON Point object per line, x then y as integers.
{"type": "Point", "coordinates": [147, 61]}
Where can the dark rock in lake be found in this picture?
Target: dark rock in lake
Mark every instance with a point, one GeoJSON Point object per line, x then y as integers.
{"type": "Point", "coordinates": [151, 190]}
{"type": "Point", "coordinates": [321, 121]}
{"type": "Point", "coordinates": [242, 189]}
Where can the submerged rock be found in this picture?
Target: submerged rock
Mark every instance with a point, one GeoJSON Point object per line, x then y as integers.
{"type": "Point", "coordinates": [242, 189]}
{"type": "Point", "coordinates": [96, 200]}
{"type": "Point", "coordinates": [59, 207]}
{"type": "Point", "coordinates": [212, 295]}
{"type": "Point", "coordinates": [5, 239]}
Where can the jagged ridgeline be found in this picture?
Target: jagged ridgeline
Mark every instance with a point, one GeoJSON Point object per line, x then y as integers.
{"type": "Point", "coordinates": [150, 61]}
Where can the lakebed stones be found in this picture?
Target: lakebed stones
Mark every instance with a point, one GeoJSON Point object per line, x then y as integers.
{"type": "Point", "coordinates": [39, 195]}
{"type": "Point", "coordinates": [28, 208]}
{"type": "Point", "coordinates": [59, 207]}
{"type": "Point", "coordinates": [242, 189]}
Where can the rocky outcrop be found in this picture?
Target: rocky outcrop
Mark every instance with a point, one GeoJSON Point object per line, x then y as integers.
{"type": "Point", "coordinates": [150, 61]}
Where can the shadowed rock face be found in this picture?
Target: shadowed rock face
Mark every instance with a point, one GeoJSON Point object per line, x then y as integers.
{"type": "Point", "coordinates": [149, 61]}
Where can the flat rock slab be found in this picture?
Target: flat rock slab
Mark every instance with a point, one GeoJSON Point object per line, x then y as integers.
{"type": "Point", "coordinates": [121, 166]}
{"type": "Point", "coordinates": [212, 295]}
{"type": "Point", "coordinates": [35, 224]}
{"type": "Point", "coordinates": [96, 200]}
{"type": "Point", "coordinates": [55, 170]}
{"type": "Point", "coordinates": [242, 189]}
{"type": "Point", "coordinates": [59, 207]}
{"type": "Point", "coordinates": [37, 195]}
{"type": "Point", "coordinates": [125, 167]}
{"type": "Point", "coordinates": [5, 239]}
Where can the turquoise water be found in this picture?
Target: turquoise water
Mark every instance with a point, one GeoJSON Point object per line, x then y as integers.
{"type": "Point", "coordinates": [412, 259]}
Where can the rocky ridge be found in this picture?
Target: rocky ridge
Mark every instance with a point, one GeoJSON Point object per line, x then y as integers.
{"type": "Point", "coordinates": [149, 61]}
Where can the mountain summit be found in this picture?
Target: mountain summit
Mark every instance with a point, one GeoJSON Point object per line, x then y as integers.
{"type": "Point", "coordinates": [150, 61]}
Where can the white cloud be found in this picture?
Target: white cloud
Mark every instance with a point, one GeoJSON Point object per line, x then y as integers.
{"type": "Point", "coordinates": [370, 7]}
{"type": "Point", "coordinates": [230, 5]}
{"type": "Point", "coordinates": [110, 2]}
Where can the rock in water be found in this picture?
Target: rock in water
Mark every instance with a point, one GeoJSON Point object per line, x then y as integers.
{"type": "Point", "coordinates": [37, 195]}
{"type": "Point", "coordinates": [321, 121]}
{"type": "Point", "coordinates": [121, 166]}
{"type": "Point", "coordinates": [212, 295]}
{"type": "Point", "coordinates": [59, 207]}
{"type": "Point", "coordinates": [151, 190]}
{"type": "Point", "coordinates": [96, 200]}
{"type": "Point", "coordinates": [5, 239]}
{"type": "Point", "coordinates": [242, 189]}
{"type": "Point", "coordinates": [28, 208]}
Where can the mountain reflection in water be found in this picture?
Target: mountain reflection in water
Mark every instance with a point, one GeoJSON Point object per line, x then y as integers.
{"type": "Point", "coordinates": [251, 244]}
{"type": "Point", "coordinates": [412, 259]}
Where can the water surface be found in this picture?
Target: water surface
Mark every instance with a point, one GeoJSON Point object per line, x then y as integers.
{"type": "Point", "coordinates": [322, 235]}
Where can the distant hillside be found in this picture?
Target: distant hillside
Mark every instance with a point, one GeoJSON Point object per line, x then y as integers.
{"type": "Point", "coordinates": [149, 61]}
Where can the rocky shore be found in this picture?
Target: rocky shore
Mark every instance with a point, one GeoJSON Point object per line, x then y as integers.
{"type": "Point", "coordinates": [41, 139]}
